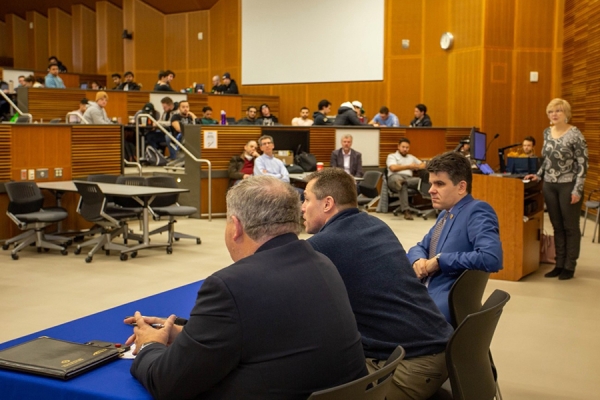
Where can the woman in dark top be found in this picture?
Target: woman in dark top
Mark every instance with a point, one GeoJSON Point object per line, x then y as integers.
{"type": "Point", "coordinates": [563, 171]}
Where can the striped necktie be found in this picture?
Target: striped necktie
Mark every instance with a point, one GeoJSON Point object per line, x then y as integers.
{"type": "Point", "coordinates": [435, 236]}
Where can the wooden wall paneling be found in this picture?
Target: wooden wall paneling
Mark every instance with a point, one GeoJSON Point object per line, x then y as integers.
{"type": "Point", "coordinates": [454, 135]}
{"type": "Point", "coordinates": [435, 90]}
{"type": "Point", "coordinates": [500, 17]}
{"type": "Point", "coordinates": [5, 154]}
{"type": "Point", "coordinates": [109, 28]}
{"type": "Point", "coordinates": [136, 101]}
{"type": "Point", "coordinates": [322, 143]}
{"type": "Point", "coordinates": [129, 63]}
{"type": "Point", "coordinates": [48, 104]}
{"type": "Point", "coordinates": [557, 54]}
{"type": "Point", "coordinates": [467, 22]}
{"type": "Point", "coordinates": [225, 40]}
{"type": "Point", "coordinates": [230, 141]}
{"type": "Point", "coordinates": [258, 100]}
{"type": "Point", "coordinates": [37, 40]}
{"type": "Point", "coordinates": [497, 101]}
{"type": "Point", "coordinates": [425, 143]}
{"type": "Point", "coordinates": [4, 40]}
{"type": "Point", "coordinates": [84, 39]}
{"type": "Point", "coordinates": [86, 157]}
{"type": "Point", "coordinates": [7, 227]}
{"type": "Point", "coordinates": [148, 43]}
{"type": "Point", "coordinates": [60, 32]}
{"type": "Point", "coordinates": [535, 24]}
{"type": "Point", "coordinates": [231, 104]}
{"type": "Point", "coordinates": [405, 86]}
{"type": "Point", "coordinates": [465, 88]}
{"type": "Point", "coordinates": [199, 101]}
{"type": "Point", "coordinates": [404, 20]}
{"type": "Point", "coordinates": [532, 96]}
{"type": "Point", "coordinates": [219, 191]}
{"type": "Point", "coordinates": [71, 81]}
{"type": "Point", "coordinates": [17, 30]}
{"type": "Point", "coordinates": [198, 51]}
{"type": "Point", "coordinates": [388, 143]}
{"type": "Point", "coordinates": [54, 149]}
{"type": "Point", "coordinates": [292, 98]}
{"type": "Point", "coordinates": [176, 41]}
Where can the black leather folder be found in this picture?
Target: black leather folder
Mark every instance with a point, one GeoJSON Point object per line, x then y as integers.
{"type": "Point", "coordinates": [55, 358]}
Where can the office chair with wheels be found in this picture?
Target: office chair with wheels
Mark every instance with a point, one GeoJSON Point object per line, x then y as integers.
{"type": "Point", "coordinates": [467, 352]}
{"type": "Point", "coordinates": [365, 387]}
{"type": "Point", "coordinates": [26, 209]}
{"type": "Point", "coordinates": [167, 206]}
{"type": "Point", "coordinates": [593, 205]}
{"type": "Point", "coordinates": [130, 204]}
{"type": "Point", "coordinates": [424, 187]}
{"type": "Point", "coordinates": [92, 207]}
{"type": "Point", "coordinates": [369, 193]}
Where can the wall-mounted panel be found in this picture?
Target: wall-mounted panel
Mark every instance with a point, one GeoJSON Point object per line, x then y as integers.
{"type": "Point", "coordinates": [405, 88]}
{"type": "Point", "coordinates": [435, 88]}
{"type": "Point", "coordinates": [466, 23]}
{"type": "Point", "coordinates": [60, 32]}
{"type": "Point", "coordinates": [500, 17]}
{"type": "Point", "coordinates": [465, 70]}
{"type": "Point", "coordinates": [534, 27]}
{"type": "Point", "coordinates": [404, 24]}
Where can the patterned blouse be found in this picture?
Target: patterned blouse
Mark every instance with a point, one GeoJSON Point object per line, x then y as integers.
{"type": "Point", "coordinates": [565, 159]}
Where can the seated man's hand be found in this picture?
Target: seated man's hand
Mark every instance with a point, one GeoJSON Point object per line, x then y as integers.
{"type": "Point", "coordinates": [144, 332]}
{"type": "Point", "coordinates": [420, 268]}
{"type": "Point", "coordinates": [432, 266]}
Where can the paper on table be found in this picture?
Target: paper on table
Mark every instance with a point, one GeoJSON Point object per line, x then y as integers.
{"type": "Point", "coordinates": [128, 355]}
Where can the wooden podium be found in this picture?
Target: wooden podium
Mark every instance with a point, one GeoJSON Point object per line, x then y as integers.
{"type": "Point", "coordinates": [520, 209]}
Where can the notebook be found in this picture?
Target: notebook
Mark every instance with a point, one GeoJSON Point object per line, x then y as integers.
{"type": "Point", "coordinates": [55, 358]}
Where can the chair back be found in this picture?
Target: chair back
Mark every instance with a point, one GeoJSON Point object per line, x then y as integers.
{"type": "Point", "coordinates": [103, 178]}
{"type": "Point", "coordinates": [368, 186]}
{"type": "Point", "coordinates": [465, 295]}
{"type": "Point", "coordinates": [24, 197]}
{"type": "Point", "coordinates": [364, 388]}
{"type": "Point", "coordinates": [131, 181]}
{"type": "Point", "coordinates": [467, 351]}
{"type": "Point", "coordinates": [92, 200]}
{"type": "Point", "coordinates": [164, 200]}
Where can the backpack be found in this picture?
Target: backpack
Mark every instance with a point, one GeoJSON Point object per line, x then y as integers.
{"type": "Point", "coordinates": [307, 161]}
{"type": "Point", "coordinates": [153, 157]}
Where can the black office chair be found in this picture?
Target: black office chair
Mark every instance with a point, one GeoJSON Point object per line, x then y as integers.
{"type": "Point", "coordinates": [424, 186]}
{"type": "Point", "coordinates": [130, 204]}
{"type": "Point", "coordinates": [467, 352]}
{"type": "Point", "coordinates": [92, 207]}
{"type": "Point", "coordinates": [412, 192]}
{"type": "Point", "coordinates": [167, 206]}
{"type": "Point", "coordinates": [369, 193]}
{"type": "Point", "coordinates": [26, 209]}
{"type": "Point", "coordinates": [365, 388]}
{"type": "Point", "coordinates": [592, 205]}
{"type": "Point", "coordinates": [465, 295]}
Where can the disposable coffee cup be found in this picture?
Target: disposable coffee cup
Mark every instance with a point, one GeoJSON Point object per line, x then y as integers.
{"type": "Point", "coordinates": [319, 166]}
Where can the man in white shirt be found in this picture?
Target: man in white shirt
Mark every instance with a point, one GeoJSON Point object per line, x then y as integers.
{"type": "Point", "coordinates": [400, 167]}
{"type": "Point", "coordinates": [267, 164]}
{"type": "Point", "coordinates": [347, 158]}
{"type": "Point", "coordinates": [303, 120]}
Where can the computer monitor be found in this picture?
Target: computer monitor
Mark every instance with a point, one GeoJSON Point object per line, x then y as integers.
{"type": "Point", "coordinates": [478, 141]}
{"type": "Point", "coordinates": [83, 86]}
{"type": "Point", "coordinates": [522, 165]}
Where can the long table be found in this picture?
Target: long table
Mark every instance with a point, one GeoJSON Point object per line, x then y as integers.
{"type": "Point", "coordinates": [111, 381]}
{"type": "Point", "coordinates": [144, 195]}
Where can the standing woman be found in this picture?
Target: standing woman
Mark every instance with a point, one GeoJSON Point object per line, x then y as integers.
{"type": "Point", "coordinates": [563, 171]}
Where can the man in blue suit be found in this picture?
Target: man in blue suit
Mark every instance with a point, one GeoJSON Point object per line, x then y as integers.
{"type": "Point", "coordinates": [465, 235]}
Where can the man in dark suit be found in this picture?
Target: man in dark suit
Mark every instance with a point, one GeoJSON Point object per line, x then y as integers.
{"type": "Point", "coordinates": [276, 324]}
{"type": "Point", "coordinates": [347, 158]}
{"type": "Point", "coordinates": [465, 236]}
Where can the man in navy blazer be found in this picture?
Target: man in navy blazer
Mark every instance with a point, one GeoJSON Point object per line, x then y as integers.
{"type": "Point", "coordinates": [469, 238]}
{"type": "Point", "coordinates": [347, 158]}
{"type": "Point", "coordinates": [276, 324]}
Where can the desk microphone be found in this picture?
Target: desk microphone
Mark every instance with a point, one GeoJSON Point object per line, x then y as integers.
{"type": "Point", "coordinates": [509, 146]}
{"type": "Point", "coordinates": [491, 141]}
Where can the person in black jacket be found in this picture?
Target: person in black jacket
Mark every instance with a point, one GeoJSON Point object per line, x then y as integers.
{"type": "Point", "coordinates": [347, 115]}
{"type": "Point", "coordinates": [229, 85]}
{"type": "Point", "coordinates": [266, 118]}
{"type": "Point", "coordinates": [320, 117]}
{"type": "Point", "coordinates": [129, 84]}
{"type": "Point", "coordinates": [276, 324]}
{"type": "Point", "coordinates": [163, 82]}
{"type": "Point", "coordinates": [250, 118]}
{"type": "Point", "coordinates": [61, 68]}
{"type": "Point", "coordinates": [421, 117]}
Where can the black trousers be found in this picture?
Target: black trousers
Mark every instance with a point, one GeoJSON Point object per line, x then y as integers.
{"type": "Point", "coordinates": [565, 222]}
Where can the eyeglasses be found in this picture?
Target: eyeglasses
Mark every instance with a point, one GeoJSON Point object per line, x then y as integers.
{"type": "Point", "coordinates": [265, 143]}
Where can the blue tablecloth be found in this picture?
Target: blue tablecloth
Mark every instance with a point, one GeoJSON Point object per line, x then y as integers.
{"type": "Point", "coordinates": [111, 381]}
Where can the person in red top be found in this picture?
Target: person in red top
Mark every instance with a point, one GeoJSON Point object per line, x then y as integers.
{"type": "Point", "coordinates": [241, 167]}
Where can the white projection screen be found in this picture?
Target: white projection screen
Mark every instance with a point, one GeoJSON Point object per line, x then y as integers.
{"type": "Point", "coordinates": [299, 41]}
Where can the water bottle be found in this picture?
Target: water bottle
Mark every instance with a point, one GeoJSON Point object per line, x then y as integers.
{"type": "Point", "coordinates": [223, 118]}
